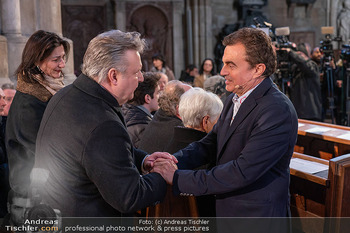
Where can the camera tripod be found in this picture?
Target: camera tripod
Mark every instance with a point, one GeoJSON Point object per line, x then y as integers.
{"type": "Point", "coordinates": [328, 80]}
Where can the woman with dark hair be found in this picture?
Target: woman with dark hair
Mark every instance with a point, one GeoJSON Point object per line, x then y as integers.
{"type": "Point", "coordinates": [39, 77]}
{"type": "Point", "coordinates": [159, 65]}
{"type": "Point", "coordinates": [207, 70]}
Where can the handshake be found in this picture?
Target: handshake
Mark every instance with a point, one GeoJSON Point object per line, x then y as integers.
{"type": "Point", "coordinates": [162, 163]}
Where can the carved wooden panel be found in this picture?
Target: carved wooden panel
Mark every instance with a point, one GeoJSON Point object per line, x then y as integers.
{"type": "Point", "coordinates": [154, 22]}
{"type": "Point", "coordinates": [81, 24]}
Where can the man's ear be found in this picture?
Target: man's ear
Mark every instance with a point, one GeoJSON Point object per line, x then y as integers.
{"type": "Point", "coordinates": [177, 111]}
{"type": "Point", "coordinates": [204, 123]}
{"type": "Point", "coordinates": [113, 76]}
{"type": "Point", "coordinates": [147, 98]}
{"type": "Point", "coordinates": [259, 70]}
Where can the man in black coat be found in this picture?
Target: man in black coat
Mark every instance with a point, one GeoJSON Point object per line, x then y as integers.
{"type": "Point", "coordinates": [160, 130]}
{"type": "Point", "coordinates": [137, 112]}
{"type": "Point", "coordinates": [306, 87]}
{"type": "Point", "coordinates": [85, 162]}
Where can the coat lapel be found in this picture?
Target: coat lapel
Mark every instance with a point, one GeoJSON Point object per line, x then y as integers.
{"type": "Point", "coordinates": [246, 108]}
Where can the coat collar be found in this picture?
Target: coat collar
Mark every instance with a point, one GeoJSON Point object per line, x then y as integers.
{"type": "Point", "coordinates": [91, 87]}
{"type": "Point", "coordinates": [247, 106]}
{"type": "Point", "coordinates": [34, 89]}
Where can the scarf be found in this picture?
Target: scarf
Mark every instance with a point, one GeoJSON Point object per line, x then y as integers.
{"type": "Point", "coordinates": [53, 85]}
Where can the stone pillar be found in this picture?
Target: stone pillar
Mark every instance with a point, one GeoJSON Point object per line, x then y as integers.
{"type": "Point", "coordinates": [11, 26]}
{"type": "Point", "coordinates": [49, 17]}
{"type": "Point", "coordinates": [195, 24]}
{"type": "Point", "coordinates": [202, 32]}
{"type": "Point", "coordinates": [11, 17]}
{"type": "Point", "coordinates": [4, 69]}
{"type": "Point", "coordinates": [120, 18]}
{"type": "Point", "coordinates": [68, 71]}
{"type": "Point", "coordinates": [209, 52]}
{"type": "Point", "coordinates": [29, 16]}
{"type": "Point", "coordinates": [178, 54]}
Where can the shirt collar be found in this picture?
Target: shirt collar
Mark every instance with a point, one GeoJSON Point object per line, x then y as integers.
{"type": "Point", "coordinates": [237, 99]}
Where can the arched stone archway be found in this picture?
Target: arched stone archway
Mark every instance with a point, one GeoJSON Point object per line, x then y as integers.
{"type": "Point", "coordinates": [155, 27]}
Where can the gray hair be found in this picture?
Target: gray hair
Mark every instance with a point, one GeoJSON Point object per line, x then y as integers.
{"type": "Point", "coordinates": [170, 97]}
{"type": "Point", "coordinates": [196, 104]}
{"type": "Point", "coordinates": [107, 50]}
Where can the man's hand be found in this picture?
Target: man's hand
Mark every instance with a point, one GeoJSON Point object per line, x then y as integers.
{"type": "Point", "coordinates": [166, 168]}
{"type": "Point", "coordinates": [148, 163]}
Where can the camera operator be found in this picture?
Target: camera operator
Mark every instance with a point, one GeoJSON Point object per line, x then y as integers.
{"type": "Point", "coordinates": [17, 205]}
{"type": "Point", "coordinates": [306, 89]}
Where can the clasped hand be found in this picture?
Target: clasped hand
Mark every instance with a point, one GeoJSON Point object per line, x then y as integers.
{"type": "Point", "coordinates": [162, 163]}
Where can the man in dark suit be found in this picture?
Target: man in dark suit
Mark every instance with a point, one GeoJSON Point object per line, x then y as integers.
{"type": "Point", "coordinates": [83, 147]}
{"type": "Point", "coordinates": [253, 140]}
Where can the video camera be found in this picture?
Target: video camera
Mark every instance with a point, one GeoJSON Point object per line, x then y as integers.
{"type": "Point", "coordinates": [345, 53]}
{"type": "Point", "coordinates": [282, 41]}
{"type": "Point", "coordinates": [326, 44]}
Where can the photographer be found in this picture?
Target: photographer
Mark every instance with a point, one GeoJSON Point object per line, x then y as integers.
{"type": "Point", "coordinates": [18, 204]}
{"type": "Point", "coordinates": [306, 89]}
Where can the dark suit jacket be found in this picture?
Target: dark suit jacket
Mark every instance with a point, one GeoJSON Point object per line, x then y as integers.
{"type": "Point", "coordinates": [84, 146]}
{"type": "Point", "coordinates": [251, 176]}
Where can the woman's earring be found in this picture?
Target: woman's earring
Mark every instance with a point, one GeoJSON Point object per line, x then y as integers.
{"type": "Point", "coordinates": [42, 72]}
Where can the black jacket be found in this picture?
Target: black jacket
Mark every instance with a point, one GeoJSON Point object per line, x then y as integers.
{"type": "Point", "coordinates": [4, 171]}
{"type": "Point", "coordinates": [306, 88]}
{"type": "Point", "coordinates": [136, 121]}
{"type": "Point", "coordinates": [85, 149]}
{"type": "Point", "coordinates": [159, 132]}
{"type": "Point", "coordinates": [22, 126]}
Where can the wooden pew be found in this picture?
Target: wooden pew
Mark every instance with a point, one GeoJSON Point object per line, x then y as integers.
{"type": "Point", "coordinates": [322, 140]}
{"type": "Point", "coordinates": [321, 194]}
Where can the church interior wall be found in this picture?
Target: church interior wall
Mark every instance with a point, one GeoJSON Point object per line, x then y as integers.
{"type": "Point", "coordinates": [208, 18]}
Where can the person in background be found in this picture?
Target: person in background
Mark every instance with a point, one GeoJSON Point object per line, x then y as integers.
{"type": "Point", "coordinates": [39, 77]}
{"type": "Point", "coordinates": [163, 81]}
{"type": "Point", "coordinates": [216, 84]}
{"type": "Point", "coordinates": [160, 130]}
{"type": "Point", "coordinates": [10, 91]}
{"type": "Point", "coordinates": [252, 142]}
{"type": "Point", "coordinates": [159, 65]}
{"type": "Point", "coordinates": [17, 204]}
{"type": "Point", "coordinates": [137, 112]}
{"type": "Point", "coordinates": [4, 171]}
{"type": "Point", "coordinates": [86, 165]}
{"type": "Point", "coordinates": [316, 56]}
{"type": "Point", "coordinates": [199, 111]}
{"type": "Point", "coordinates": [207, 70]}
{"type": "Point", "coordinates": [306, 86]}
{"type": "Point", "coordinates": [187, 76]}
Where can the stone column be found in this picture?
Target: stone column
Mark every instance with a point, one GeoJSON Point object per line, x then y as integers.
{"type": "Point", "coordinates": [4, 69]}
{"type": "Point", "coordinates": [195, 23]}
{"type": "Point", "coordinates": [11, 26]}
{"type": "Point", "coordinates": [202, 29]}
{"type": "Point", "coordinates": [178, 53]}
{"type": "Point", "coordinates": [11, 17]}
{"type": "Point", "coordinates": [209, 52]}
{"type": "Point", "coordinates": [120, 18]}
{"type": "Point", "coordinates": [49, 16]}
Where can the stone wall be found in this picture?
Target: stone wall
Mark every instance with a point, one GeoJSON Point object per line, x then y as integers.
{"type": "Point", "coordinates": [195, 24]}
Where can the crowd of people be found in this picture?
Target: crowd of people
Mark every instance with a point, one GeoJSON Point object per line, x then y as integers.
{"type": "Point", "coordinates": [117, 139]}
